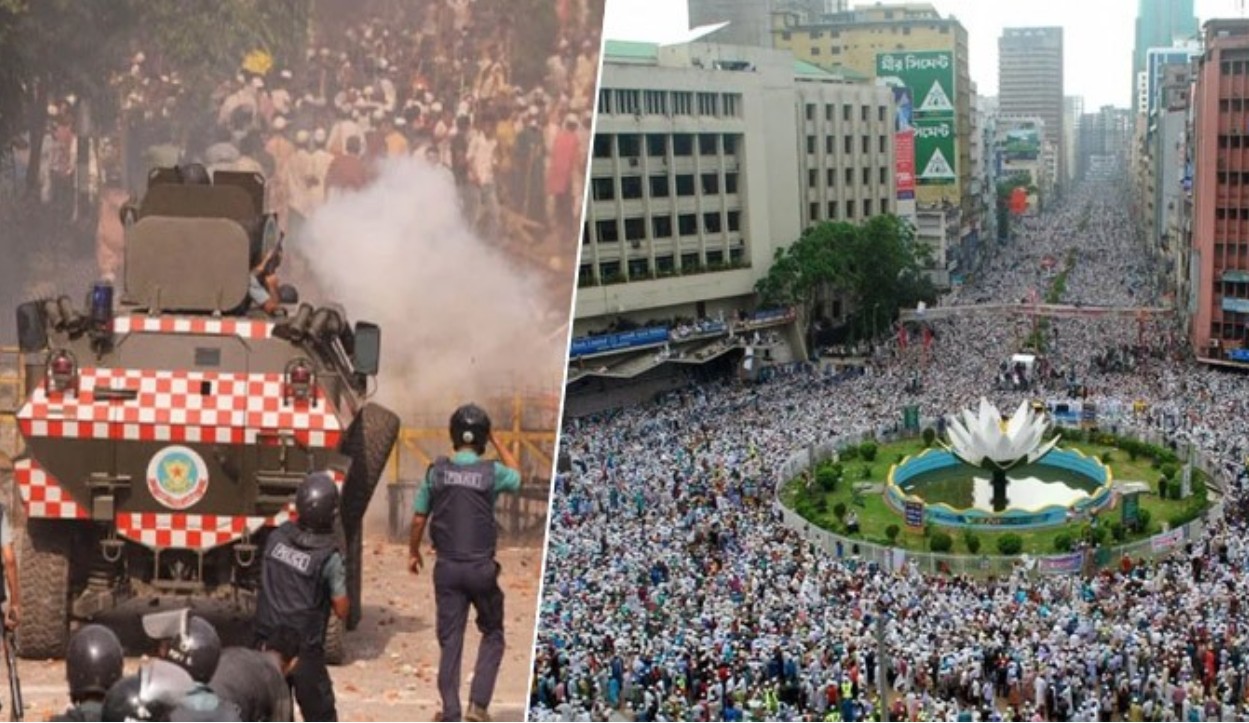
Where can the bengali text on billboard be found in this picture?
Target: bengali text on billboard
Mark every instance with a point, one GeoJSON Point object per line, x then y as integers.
{"type": "Point", "coordinates": [927, 78]}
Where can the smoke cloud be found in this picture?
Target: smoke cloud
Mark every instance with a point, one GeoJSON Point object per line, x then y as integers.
{"type": "Point", "coordinates": [461, 319]}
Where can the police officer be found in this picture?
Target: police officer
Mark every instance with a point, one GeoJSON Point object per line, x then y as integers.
{"type": "Point", "coordinates": [303, 578]}
{"type": "Point", "coordinates": [93, 663]}
{"type": "Point", "coordinates": [189, 653]}
{"type": "Point", "coordinates": [255, 681]}
{"type": "Point", "coordinates": [459, 493]}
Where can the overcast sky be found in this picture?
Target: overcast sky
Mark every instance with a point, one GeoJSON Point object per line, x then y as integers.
{"type": "Point", "coordinates": [1097, 35]}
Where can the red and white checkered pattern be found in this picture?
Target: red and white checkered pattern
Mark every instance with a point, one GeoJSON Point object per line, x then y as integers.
{"type": "Point", "coordinates": [246, 328]}
{"type": "Point", "coordinates": [169, 407]}
{"type": "Point", "coordinates": [42, 495]}
{"type": "Point", "coordinates": [44, 498]}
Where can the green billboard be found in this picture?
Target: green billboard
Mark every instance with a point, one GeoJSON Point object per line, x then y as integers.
{"type": "Point", "coordinates": [929, 75]}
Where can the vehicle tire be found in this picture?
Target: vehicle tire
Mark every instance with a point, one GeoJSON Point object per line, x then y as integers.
{"type": "Point", "coordinates": [355, 575]}
{"type": "Point", "coordinates": [335, 649]}
{"type": "Point", "coordinates": [368, 442]}
{"type": "Point", "coordinates": [43, 573]}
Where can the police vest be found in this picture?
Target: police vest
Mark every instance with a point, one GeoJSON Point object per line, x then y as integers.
{"type": "Point", "coordinates": [462, 505]}
{"type": "Point", "coordinates": [292, 591]}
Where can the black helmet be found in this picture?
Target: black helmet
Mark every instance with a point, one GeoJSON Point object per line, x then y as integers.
{"type": "Point", "coordinates": [194, 174]}
{"type": "Point", "coordinates": [193, 643]}
{"type": "Point", "coordinates": [93, 662]}
{"type": "Point", "coordinates": [316, 502]}
{"type": "Point", "coordinates": [124, 702]}
{"type": "Point", "coordinates": [470, 427]}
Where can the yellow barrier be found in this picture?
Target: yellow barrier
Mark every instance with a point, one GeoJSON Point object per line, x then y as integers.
{"type": "Point", "coordinates": [12, 392]}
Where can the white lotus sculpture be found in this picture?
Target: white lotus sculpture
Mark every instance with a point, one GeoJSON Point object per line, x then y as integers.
{"type": "Point", "coordinates": [985, 441]}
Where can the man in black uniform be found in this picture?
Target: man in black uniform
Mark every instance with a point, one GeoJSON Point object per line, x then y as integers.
{"type": "Point", "coordinates": [459, 493]}
{"type": "Point", "coordinates": [93, 663]}
{"type": "Point", "coordinates": [190, 650]}
{"type": "Point", "coordinates": [303, 578]}
{"type": "Point", "coordinates": [255, 681]}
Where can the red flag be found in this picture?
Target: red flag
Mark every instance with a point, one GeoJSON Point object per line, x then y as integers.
{"type": "Point", "coordinates": [927, 337]}
{"type": "Point", "coordinates": [901, 336]}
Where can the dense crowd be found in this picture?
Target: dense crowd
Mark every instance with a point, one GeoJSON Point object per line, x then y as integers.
{"type": "Point", "coordinates": [433, 80]}
{"type": "Point", "coordinates": [673, 591]}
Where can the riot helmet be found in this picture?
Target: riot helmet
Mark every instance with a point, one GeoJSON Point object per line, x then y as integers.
{"type": "Point", "coordinates": [470, 427]}
{"type": "Point", "coordinates": [316, 502]}
{"type": "Point", "coordinates": [193, 644]}
{"type": "Point", "coordinates": [94, 661]}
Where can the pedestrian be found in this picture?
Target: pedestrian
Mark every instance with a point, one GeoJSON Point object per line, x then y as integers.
{"type": "Point", "coordinates": [94, 661]}
{"type": "Point", "coordinates": [255, 681]}
{"type": "Point", "coordinates": [459, 493]}
{"type": "Point", "coordinates": [302, 579]}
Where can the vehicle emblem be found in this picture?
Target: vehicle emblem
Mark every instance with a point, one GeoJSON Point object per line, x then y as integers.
{"type": "Point", "coordinates": [177, 477]}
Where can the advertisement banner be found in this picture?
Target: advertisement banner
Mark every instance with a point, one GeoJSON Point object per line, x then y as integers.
{"type": "Point", "coordinates": [615, 342]}
{"type": "Point", "coordinates": [924, 89]}
{"type": "Point", "coordinates": [1240, 306]}
{"type": "Point", "coordinates": [904, 164]}
{"type": "Point", "coordinates": [1167, 540]}
{"type": "Point", "coordinates": [914, 513]}
{"type": "Point", "coordinates": [1023, 144]}
{"type": "Point", "coordinates": [936, 154]}
{"type": "Point", "coordinates": [1061, 564]}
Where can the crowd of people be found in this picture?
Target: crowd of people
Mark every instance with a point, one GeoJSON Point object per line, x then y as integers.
{"type": "Point", "coordinates": [435, 81]}
{"type": "Point", "coordinates": [674, 592]}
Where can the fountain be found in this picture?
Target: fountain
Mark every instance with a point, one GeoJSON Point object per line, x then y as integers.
{"type": "Point", "coordinates": [995, 472]}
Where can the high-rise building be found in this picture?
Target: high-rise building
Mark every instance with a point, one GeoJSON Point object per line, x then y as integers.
{"type": "Point", "coordinates": [1073, 109]}
{"type": "Point", "coordinates": [1103, 138]}
{"type": "Point", "coordinates": [750, 21]}
{"type": "Point", "coordinates": [1030, 81]}
{"type": "Point", "coordinates": [927, 54]}
{"type": "Point", "coordinates": [1218, 301]}
{"type": "Point", "coordinates": [1159, 24]}
{"type": "Point", "coordinates": [705, 160]}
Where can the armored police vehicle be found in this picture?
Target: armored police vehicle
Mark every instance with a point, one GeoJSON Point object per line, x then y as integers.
{"type": "Point", "coordinates": [166, 430]}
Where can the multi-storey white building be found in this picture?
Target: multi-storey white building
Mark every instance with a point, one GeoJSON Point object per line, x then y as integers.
{"type": "Point", "coordinates": [706, 159]}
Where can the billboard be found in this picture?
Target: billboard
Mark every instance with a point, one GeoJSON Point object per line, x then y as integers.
{"type": "Point", "coordinates": [1022, 144]}
{"type": "Point", "coordinates": [903, 143]}
{"type": "Point", "coordinates": [928, 76]}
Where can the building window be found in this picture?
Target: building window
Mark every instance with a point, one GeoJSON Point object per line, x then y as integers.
{"type": "Point", "coordinates": [866, 175]}
{"type": "Point", "coordinates": [628, 102]}
{"type": "Point", "coordinates": [656, 102]}
{"type": "Point", "coordinates": [690, 261]}
{"type": "Point", "coordinates": [661, 226]}
{"type": "Point", "coordinates": [810, 144]}
{"type": "Point", "coordinates": [715, 258]}
{"type": "Point", "coordinates": [656, 145]}
{"type": "Point", "coordinates": [832, 210]}
{"type": "Point", "coordinates": [682, 144]}
{"type": "Point", "coordinates": [881, 110]}
{"type": "Point", "coordinates": [830, 177]}
{"type": "Point", "coordinates": [813, 178]}
{"type": "Point", "coordinates": [884, 144]}
{"type": "Point", "coordinates": [708, 104]}
{"type": "Point", "coordinates": [609, 270]}
{"type": "Point", "coordinates": [683, 103]}
{"type": "Point", "coordinates": [606, 231]}
{"type": "Point", "coordinates": [730, 183]}
{"type": "Point", "coordinates": [707, 144]}
{"type": "Point", "coordinates": [735, 255]}
{"type": "Point", "coordinates": [845, 112]}
{"type": "Point", "coordinates": [849, 175]}
{"type": "Point", "coordinates": [847, 145]}
{"type": "Point", "coordinates": [659, 186]}
{"type": "Point", "coordinates": [583, 274]}
{"type": "Point", "coordinates": [711, 184]}
{"type": "Point", "coordinates": [639, 268]}
{"type": "Point", "coordinates": [635, 229]}
{"type": "Point", "coordinates": [815, 50]}
{"type": "Point", "coordinates": [828, 112]}
{"type": "Point", "coordinates": [687, 224]}
{"type": "Point", "coordinates": [865, 143]}
{"type": "Point", "coordinates": [863, 111]}
{"type": "Point", "coordinates": [830, 145]}
{"type": "Point", "coordinates": [785, 35]}
{"type": "Point", "coordinates": [867, 207]}
{"type": "Point", "coordinates": [884, 205]}
{"type": "Point", "coordinates": [585, 233]}
{"type": "Point", "coordinates": [711, 222]}
{"type": "Point", "coordinates": [631, 187]}
{"type": "Point", "coordinates": [602, 146]}
{"type": "Point", "coordinates": [663, 264]}
{"type": "Point", "coordinates": [685, 184]}
{"type": "Point", "coordinates": [730, 145]}
{"type": "Point", "coordinates": [813, 212]}
{"type": "Point", "coordinates": [850, 210]}
{"type": "Point", "coordinates": [603, 189]}
{"type": "Point", "coordinates": [629, 145]}
{"type": "Point", "coordinates": [810, 111]}
{"type": "Point", "coordinates": [604, 101]}
{"type": "Point", "coordinates": [730, 105]}
{"type": "Point", "coordinates": [735, 220]}
{"type": "Point", "coordinates": [884, 175]}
